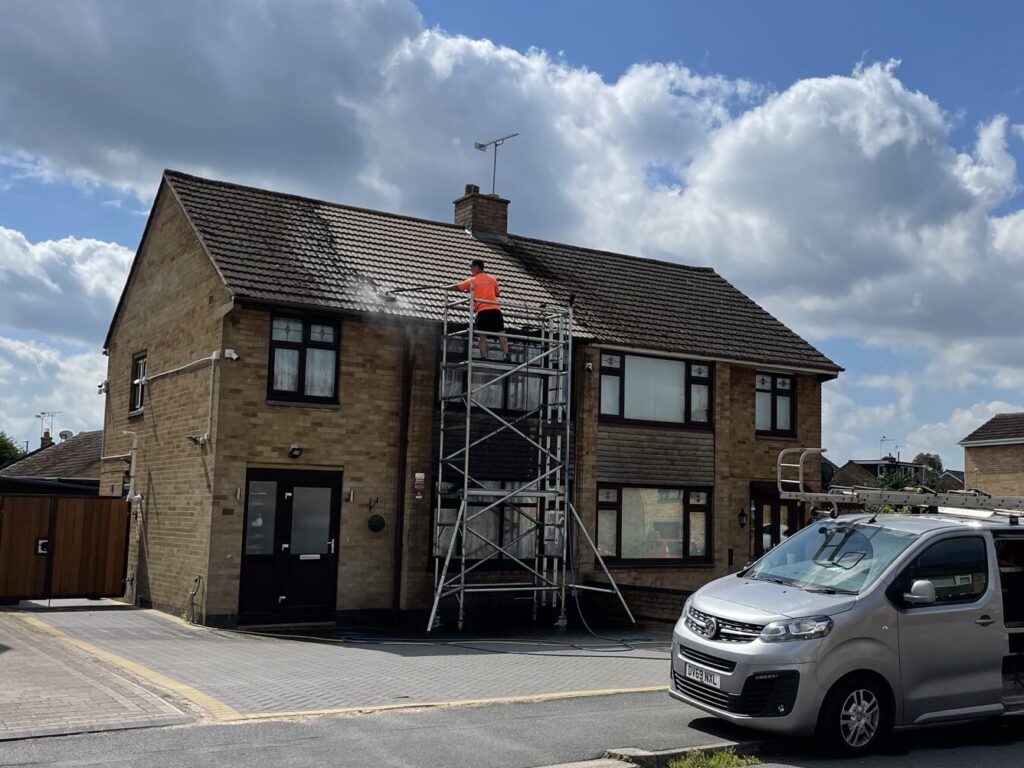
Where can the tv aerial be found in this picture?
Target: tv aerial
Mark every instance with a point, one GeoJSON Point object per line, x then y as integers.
{"type": "Point", "coordinates": [482, 146]}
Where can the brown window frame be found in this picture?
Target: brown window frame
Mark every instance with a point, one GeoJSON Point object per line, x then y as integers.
{"type": "Point", "coordinates": [686, 507]}
{"type": "Point", "coordinates": [307, 343]}
{"type": "Point", "coordinates": [776, 393]}
{"type": "Point", "coordinates": [689, 380]}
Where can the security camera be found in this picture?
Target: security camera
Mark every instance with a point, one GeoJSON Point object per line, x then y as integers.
{"type": "Point", "coordinates": [294, 452]}
{"type": "Point", "coordinates": [588, 367]}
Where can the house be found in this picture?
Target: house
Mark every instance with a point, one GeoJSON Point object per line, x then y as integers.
{"type": "Point", "coordinates": [994, 456]}
{"type": "Point", "coordinates": [283, 417]}
{"type": "Point", "coordinates": [71, 466]}
{"type": "Point", "coordinates": [951, 480]}
{"type": "Point", "coordinates": [870, 471]}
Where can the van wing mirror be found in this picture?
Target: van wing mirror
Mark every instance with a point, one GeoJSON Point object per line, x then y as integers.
{"type": "Point", "coordinates": [921, 593]}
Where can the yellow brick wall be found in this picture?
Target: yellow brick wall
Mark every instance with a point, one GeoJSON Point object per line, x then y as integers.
{"type": "Point", "coordinates": [995, 469]}
{"type": "Point", "coordinates": [172, 310]}
{"type": "Point", "coordinates": [357, 438]}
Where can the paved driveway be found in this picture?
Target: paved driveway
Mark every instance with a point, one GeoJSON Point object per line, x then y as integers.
{"type": "Point", "coordinates": [48, 687]}
{"type": "Point", "coordinates": [241, 676]}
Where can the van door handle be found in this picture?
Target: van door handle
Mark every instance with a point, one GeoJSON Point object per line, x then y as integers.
{"type": "Point", "coordinates": [985, 620]}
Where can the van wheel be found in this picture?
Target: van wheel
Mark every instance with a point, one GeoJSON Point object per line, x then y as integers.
{"type": "Point", "coordinates": [856, 717]}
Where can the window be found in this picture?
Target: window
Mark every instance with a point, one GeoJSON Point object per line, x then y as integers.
{"type": "Point", "coordinates": [652, 524]}
{"type": "Point", "coordinates": [501, 525]}
{"type": "Point", "coordinates": [655, 389]}
{"type": "Point", "coordinates": [521, 392]}
{"type": "Point", "coordinates": [957, 567]}
{"type": "Point", "coordinates": [773, 404]}
{"type": "Point", "coordinates": [137, 395]}
{"type": "Point", "coordinates": [303, 360]}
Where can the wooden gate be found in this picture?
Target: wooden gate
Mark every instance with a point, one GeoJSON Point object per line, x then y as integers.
{"type": "Point", "coordinates": [62, 546]}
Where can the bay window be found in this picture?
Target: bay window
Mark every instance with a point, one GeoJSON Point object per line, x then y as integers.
{"type": "Point", "coordinates": [655, 389]}
{"type": "Point", "coordinates": [654, 524]}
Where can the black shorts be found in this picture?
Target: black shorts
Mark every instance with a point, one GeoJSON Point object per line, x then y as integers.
{"type": "Point", "coordinates": [490, 321]}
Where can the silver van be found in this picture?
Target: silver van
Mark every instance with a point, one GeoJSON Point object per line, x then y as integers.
{"type": "Point", "coordinates": [858, 625]}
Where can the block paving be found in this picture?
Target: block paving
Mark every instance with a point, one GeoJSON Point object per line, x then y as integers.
{"type": "Point", "coordinates": [47, 688]}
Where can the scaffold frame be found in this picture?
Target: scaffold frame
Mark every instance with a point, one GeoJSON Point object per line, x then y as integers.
{"type": "Point", "coordinates": [540, 504]}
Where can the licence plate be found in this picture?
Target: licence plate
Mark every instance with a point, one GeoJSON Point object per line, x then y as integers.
{"type": "Point", "coordinates": [703, 676]}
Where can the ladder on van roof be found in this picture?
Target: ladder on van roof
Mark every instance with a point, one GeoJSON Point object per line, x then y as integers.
{"type": "Point", "coordinates": [793, 483]}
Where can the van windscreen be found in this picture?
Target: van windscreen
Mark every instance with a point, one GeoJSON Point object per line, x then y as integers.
{"type": "Point", "coordinates": [834, 556]}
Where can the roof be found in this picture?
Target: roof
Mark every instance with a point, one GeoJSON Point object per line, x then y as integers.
{"type": "Point", "coordinates": [1003, 428]}
{"type": "Point", "coordinates": [275, 248]}
{"type": "Point", "coordinates": [853, 474]}
{"type": "Point", "coordinates": [956, 474]}
{"type": "Point", "coordinates": [60, 460]}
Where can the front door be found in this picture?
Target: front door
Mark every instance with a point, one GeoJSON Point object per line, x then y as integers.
{"type": "Point", "coordinates": [951, 651]}
{"type": "Point", "coordinates": [290, 546]}
{"type": "Point", "coordinates": [774, 522]}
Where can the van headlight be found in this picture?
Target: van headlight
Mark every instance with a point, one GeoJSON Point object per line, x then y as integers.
{"type": "Point", "coordinates": [686, 606]}
{"type": "Point", "coordinates": [796, 629]}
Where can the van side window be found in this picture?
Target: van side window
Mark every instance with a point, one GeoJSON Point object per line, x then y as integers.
{"type": "Point", "coordinates": [957, 567]}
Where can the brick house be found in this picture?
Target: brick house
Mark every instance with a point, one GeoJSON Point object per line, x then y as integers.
{"type": "Point", "coordinates": [994, 456]}
{"type": "Point", "coordinates": [280, 411]}
{"type": "Point", "coordinates": [70, 466]}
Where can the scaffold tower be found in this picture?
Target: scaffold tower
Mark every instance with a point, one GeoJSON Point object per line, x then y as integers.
{"type": "Point", "coordinates": [504, 467]}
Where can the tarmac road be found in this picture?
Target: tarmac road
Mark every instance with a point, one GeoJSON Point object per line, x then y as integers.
{"type": "Point", "coordinates": [497, 736]}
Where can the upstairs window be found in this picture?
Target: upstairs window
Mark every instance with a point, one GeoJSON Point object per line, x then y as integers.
{"type": "Point", "coordinates": [137, 394]}
{"type": "Point", "coordinates": [303, 360]}
{"type": "Point", "coordinates": [519, 393]}
{"type": "Point", "coordinates": [774, 411]}
{"type": "Point", "coordinates": [655, 389]}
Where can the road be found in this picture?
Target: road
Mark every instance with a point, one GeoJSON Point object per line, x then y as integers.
{"type": "Point", "coordinates": [499, 736]}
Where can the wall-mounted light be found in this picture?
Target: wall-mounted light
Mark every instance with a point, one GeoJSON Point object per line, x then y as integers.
{"type": "Point", "coordinates": [294, 452]}
{"type": "Point", "coordinates": [743, 518]}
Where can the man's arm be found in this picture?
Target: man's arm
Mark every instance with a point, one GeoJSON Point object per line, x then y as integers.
{"type": "Point", "coordinates": [464, 285]}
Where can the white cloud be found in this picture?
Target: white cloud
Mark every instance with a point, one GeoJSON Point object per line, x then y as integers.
{"type": "Point", "coordinates": [942, 437]}
{"type": "Point", "coordinates": [36, 377]}
{"type": "Point", "coordinates": [62, 288]}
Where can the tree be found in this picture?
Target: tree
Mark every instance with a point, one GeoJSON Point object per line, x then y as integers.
{"type": "Point", "coordinates": [932, 477]}
{"type": "Point", "coordinates": [9, 450]}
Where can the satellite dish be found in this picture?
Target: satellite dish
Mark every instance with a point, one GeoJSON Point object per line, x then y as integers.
{"type": "Point", "coordinates": [65, 434]}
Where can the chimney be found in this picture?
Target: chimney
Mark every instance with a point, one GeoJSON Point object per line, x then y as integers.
{"type": "Point", "coordinates": [46, 441]}
{"type": "Point", "coordinates": [482, 215]}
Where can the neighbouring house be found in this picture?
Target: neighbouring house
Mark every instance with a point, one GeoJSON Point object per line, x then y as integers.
{"type": "Point", "coordinates": [952, 480]}
{"type": "Point", "coordinates": [994, 456]}
{"type": "Point", "coordinates": [283, 417]}
{"type": "Point", "coordinates": [70, 466]}
{"type": "Point", "coordinates": [870, 471]}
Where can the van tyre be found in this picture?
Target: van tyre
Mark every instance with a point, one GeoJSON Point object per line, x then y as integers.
{"type": "Point", "coordinates": [856, 718]}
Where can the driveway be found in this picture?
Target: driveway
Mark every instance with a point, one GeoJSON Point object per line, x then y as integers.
{"type": "Point", "coordinates": [239, 676]}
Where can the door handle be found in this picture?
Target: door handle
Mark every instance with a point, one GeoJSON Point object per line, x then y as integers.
{"type": "Point", "coordinates": [330, 544]}
{"type": "Point", "coordinates": [285, 547]}
{"type": "Point", "coordinates": [985, 620]}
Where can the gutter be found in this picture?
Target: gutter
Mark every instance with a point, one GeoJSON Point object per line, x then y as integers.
{"type": "Point", "coordinates": [400, 480]}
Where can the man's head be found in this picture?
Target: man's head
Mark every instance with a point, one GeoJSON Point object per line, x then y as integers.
{"type": "Point", "coordinates": [476, 266]}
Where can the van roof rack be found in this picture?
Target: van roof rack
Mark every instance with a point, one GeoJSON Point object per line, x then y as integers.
{"type": "Point", "coordinates": [792, 480]}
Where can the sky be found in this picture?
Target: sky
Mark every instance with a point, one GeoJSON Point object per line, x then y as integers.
{"type": "Point", "coordinates": [853, 167]}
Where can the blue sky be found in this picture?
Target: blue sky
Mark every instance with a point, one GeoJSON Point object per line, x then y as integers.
{"type": "Point", "coordinates": [851, 166]}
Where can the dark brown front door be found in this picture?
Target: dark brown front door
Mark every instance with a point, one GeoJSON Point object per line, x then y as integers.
{"type": "Point", "coordinates": [290, 546]}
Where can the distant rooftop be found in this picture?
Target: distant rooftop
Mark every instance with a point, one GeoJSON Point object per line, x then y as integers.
{"type": "Point", "coordinates": [59, 460]}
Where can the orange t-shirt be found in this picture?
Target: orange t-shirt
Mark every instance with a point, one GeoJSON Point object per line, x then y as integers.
{"type": "Point", "coordinates": [485, 291]}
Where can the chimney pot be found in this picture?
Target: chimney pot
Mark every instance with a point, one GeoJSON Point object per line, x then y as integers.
{"type": "Point", "coordinates": [46, 440]}
{"type": "Point", "coordinates": [472, 189]}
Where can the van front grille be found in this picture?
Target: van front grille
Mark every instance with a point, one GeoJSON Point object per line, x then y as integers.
{"type": "Point", "coordinates": [706, 659]}
{"type": "Point", "coordinates": [703, 693]}
{"type": "Point", "coordinates": [725, 630]}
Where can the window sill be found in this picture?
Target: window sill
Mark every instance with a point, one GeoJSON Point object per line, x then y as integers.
{"type": "Point", "coordinates": [136, 414]}
{"type": "Point", "coordinates": [655, 564]}
{"type": "Point", "coordinates": [775, 436]}
{"type": "Point", "coordinates": [305, 404]}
